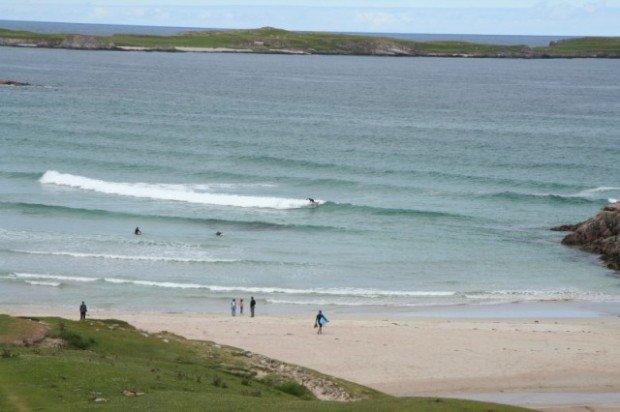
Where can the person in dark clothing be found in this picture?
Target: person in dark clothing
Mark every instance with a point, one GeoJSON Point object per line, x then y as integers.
{"type": "Point", "coordinates": [137, 231]}
{"type": "Point", "coordinates": [83, 311]}
{"type": "Point", "coordinates": [320, 321]}
{"type": "Point", "coordinates": [252, 306]}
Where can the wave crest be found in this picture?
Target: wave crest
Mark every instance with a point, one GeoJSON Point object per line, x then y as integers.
{"type": "Point", "coordinates": [125, 257]}
{"type": "Point", "coordinates": [179, 193]}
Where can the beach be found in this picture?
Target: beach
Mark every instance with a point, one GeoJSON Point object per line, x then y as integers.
{"type": "Point", "coordinates": [429, 247]}
{"type": "Point", "coordinates": [547, 363]}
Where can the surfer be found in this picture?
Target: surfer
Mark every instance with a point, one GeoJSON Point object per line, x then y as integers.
{"type": "Point", "coordinates": [137, 232]}
{"type": "Point", "coordinates": [218, 233]}
{"type": "Point", "coordinates": [319, 322]}
{"type": "Point", "coordinates": [311, 200]}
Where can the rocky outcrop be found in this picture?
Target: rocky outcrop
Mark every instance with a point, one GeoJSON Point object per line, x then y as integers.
{"type": "Point", "coordinates": [70, 41]}
{"type": "Point", "coordinates": [600, 234]}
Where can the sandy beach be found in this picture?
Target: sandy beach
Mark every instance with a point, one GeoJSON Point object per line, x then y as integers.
{"type": "Point", "coordinates": [555, 364]}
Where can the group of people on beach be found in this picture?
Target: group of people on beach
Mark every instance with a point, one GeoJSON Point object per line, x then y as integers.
{"type": "Point", "coordinates": [319, 321]}
{"type": "Point", "coordinates": [233, 307]}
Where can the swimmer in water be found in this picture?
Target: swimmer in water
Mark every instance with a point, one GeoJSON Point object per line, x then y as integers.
{"type": "Point", "coordinates": [137, 231]}
{"type": "Point", "coordinates": [218, 233]}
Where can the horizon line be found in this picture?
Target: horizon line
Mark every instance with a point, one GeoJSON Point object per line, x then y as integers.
{"type": "Point", "coordinates": [304, 31]}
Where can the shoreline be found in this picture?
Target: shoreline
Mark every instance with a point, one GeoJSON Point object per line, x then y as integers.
{"type": "Point", "coordinates": [496, 358]}
{"type": "Point", "coordinates": [270, 40]}
{"type": "Point", "coordinates": [292, 52]}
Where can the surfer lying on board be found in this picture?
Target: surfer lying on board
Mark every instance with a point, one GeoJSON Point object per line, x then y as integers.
{"type": "Point", "coordinates": [137, 232]}
{"type": "Point", "coordinates": [320, 321]}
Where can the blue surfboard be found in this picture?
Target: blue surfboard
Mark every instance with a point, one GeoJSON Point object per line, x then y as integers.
{"type": "Point", "coordinates": [324, 321]}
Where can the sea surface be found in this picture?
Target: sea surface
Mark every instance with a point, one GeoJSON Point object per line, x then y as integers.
{"type": "Point", "coordinates": [437, 180]}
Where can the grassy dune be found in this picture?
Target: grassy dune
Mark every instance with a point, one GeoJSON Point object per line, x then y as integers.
{"type": "Point", "coordinates": [54, 364]}
{"type": "Point", "coordinates": [271, 40]}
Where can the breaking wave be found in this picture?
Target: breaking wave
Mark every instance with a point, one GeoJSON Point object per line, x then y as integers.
{"type": "Point", "coordinates": [125, 257]}
{"type": "Point", "coordinates": [179, 192]}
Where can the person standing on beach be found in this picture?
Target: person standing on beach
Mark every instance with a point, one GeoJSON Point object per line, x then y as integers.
{"type": "Point", "coordinates": [83, 311]}
{"type": "Point", "coordinates": [319, 322]}
{"type": "Point", "coordinates": [240, 306]}
{"type": "Point", "coordinates": [233, 307]}
{"type": "Point", "coordinates": [252, 306]}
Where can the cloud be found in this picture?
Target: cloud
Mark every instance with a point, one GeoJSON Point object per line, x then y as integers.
{"type": "Point", "coordinates": [534, 17]}
{"type": "Point", "coordinates": [382, 20]}
{"type": "Point", "coordinates": [568, 9]}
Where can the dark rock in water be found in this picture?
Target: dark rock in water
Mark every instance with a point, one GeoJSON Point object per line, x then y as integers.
{"type": "Point", "coordinates": [12, 83]}
{"type": "Point", "coordinates": [565, 228]}
{"type": "Point", "coordinates": [600, 234]}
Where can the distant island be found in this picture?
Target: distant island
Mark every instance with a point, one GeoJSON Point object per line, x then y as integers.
{"type": "Point", "coordinates": [269, 40]}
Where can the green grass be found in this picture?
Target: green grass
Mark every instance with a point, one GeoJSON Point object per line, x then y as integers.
{"type": "Point", "coordinates": [172, 373]}
{"type": "Point", "coordinates": [269, 40]}
{"type": "Point", "coordinates": [585, 46]}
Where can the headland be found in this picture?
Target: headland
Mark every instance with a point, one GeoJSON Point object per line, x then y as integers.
{"type": "Point", "coordinates": [269, 40]}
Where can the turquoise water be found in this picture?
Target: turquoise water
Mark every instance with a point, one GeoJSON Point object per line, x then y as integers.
{"type": "Point", "coordinates": [437, 179]}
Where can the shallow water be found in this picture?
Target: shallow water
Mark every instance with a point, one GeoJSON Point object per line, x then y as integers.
{"type": "Point", "coordinates": [437, 179]}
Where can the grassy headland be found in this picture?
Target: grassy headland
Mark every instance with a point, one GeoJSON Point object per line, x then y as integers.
{"type": "Point", "coordinates": [271, 40]}
{"type": "Point", "coordinates": [54, 364]}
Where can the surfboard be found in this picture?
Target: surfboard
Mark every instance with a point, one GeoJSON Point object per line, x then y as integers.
{"type": "Point", "coordinates": [324, 321]}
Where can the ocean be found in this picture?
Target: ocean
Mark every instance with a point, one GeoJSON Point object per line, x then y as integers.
{"type": "Point", "coordinates": [437, 180]}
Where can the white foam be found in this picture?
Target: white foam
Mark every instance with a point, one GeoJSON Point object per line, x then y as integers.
{"type": "Point", "coordinates": [333, 292]}
{"type": "Point", "coordinates": [540, 295]}
{"type": "Point", "coordinates": [368, 293]}
{"type": "Point", "coordinates": [325, 302]}
{"type": "Point", "coordinates": [124, 257]}
{"type": "Point", "coordinates": [595, 192]}
{"type": "Point", "coordinates": [180, 193]}
{"type": "Point", "coordinates": [39, 283]}
{"type": "Point", "coordinates": [599, 190]}
{"type": "Point", "coordinates": [54, 277]}
{"type": "Point", "coordinates": [611, 200]}
{"type": "Point", "coordinates": [157, 284]}
{"type": "Point", "coordinates": [318, 302]}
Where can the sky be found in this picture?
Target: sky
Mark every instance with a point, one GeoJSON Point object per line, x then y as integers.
{"type": "Point", "coordinates": [522, 17]}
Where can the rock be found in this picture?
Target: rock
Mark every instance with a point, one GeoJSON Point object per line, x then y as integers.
{"type": "Point", "coordinates": [131, 394]}
{"type": "Point", "coordinates": [600, 234]}
{"type": "Point", "coordinates": [565, 228]}
{"type": "Point", "coordinates": [100, 400]}
{"type": "Point", "coordinates": [13, 83]}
